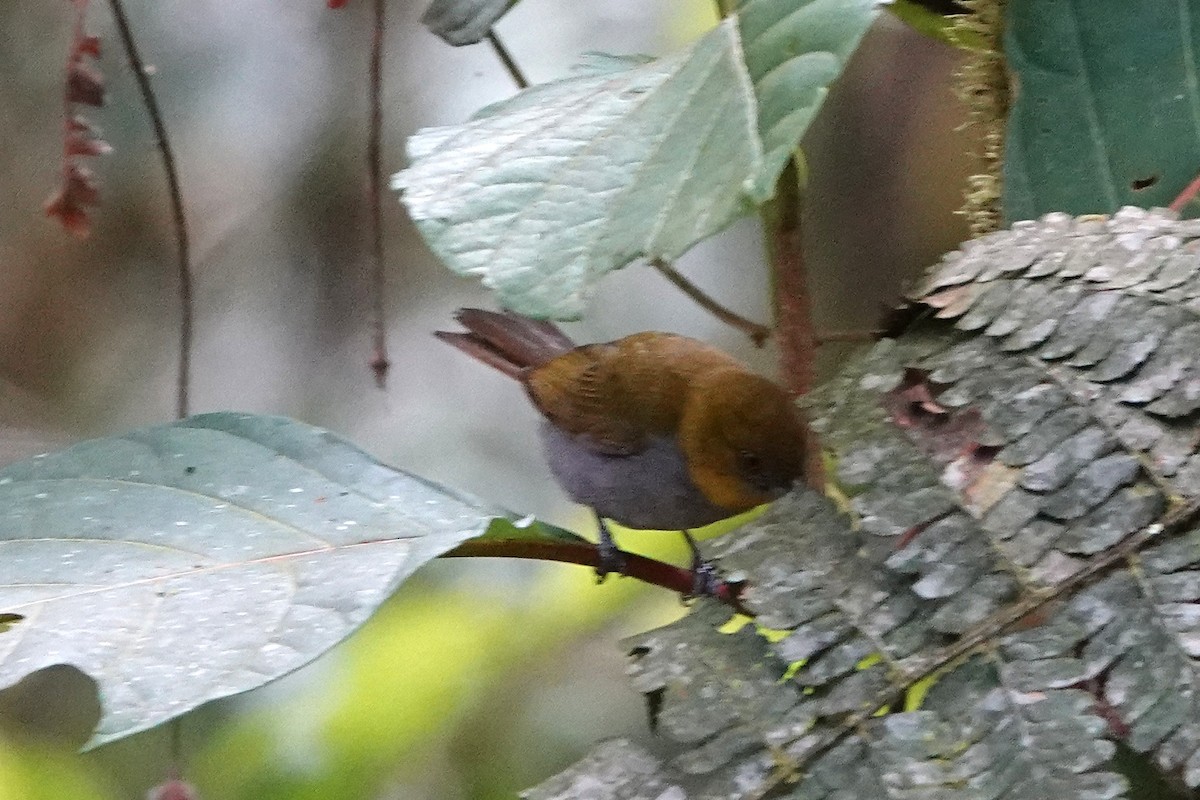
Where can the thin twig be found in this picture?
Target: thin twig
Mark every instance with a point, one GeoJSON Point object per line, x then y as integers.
{"type": "Point", "coordinates": [647, 570]}
{"type": "Point", "coordinates": [1186, 196]}
{"type": "Point", "coordinates": [379, 355]}
{"type": "Point", "coordinates": [757, 333]}
{"type": "Point", "coordinates": [186, 302]}
{"type": "Point", "coordinates": [507, 60]}
{"type": "Point", "coordinates": [829, 337]}
{"type": "Point", "coordinates": [793, 306]}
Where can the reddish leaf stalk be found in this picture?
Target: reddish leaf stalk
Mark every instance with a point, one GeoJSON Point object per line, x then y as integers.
{"type": "Point", "coordinates": [647, 570]}
{"type": "Point", "coordinates": [1186, 196]}
{"type": "Point", "coordinates": [793, 306]}
{"type": "Point", "coordinates": [182, 247]}
{"type": "Point", "coordinates": [379, 355]}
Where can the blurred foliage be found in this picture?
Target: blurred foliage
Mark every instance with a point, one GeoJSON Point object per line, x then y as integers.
{"type": "Point", "coordinates": [40, 772]}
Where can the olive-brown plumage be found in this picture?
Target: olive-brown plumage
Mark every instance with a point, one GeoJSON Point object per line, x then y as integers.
{"type": "Point", "coordinates": [654, 430]}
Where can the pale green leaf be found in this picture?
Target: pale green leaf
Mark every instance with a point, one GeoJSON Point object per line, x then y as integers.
{"type": "Point", "coordinates": [187, 562]}
{"type": "Point", "coordinates": [543, 194]}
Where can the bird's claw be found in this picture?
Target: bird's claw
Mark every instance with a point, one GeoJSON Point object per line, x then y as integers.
{"type": "Point", "coordinates": [706, 580]}
{"type": "Point", "coordinates": [610, 558]}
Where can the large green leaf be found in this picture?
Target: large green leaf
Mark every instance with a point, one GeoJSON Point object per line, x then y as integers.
{"type": "Point", "coordinates": [545, 193]}
{"type": "Point", "coordinates": [186, 562]}
{"type": "Point", "coordinates": [1106, 107]}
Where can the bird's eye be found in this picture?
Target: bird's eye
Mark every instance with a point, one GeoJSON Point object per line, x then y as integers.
{"type": "Point", "coordinates": [749, 462]}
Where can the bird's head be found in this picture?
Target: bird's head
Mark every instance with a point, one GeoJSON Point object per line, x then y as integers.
{"type": "Point", "coordinates": [742, 439]}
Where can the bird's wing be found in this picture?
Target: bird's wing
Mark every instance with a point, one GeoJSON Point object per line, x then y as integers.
{"type": "Point", "coordinates": [579, 393]}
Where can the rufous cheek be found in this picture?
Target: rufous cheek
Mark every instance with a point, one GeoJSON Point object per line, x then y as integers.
{"type": "Point", "coordinates": [725, 489]}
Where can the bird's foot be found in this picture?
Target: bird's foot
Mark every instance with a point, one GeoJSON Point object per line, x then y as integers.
{"type": "Point", "coordinates": [706, 580]}
{"type": "Point", "coordinates": [610, 558]}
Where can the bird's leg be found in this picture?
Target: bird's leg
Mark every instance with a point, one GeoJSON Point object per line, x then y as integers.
{"type": "Point", "coordinates": [705, 581]}
{"type": "Point", "coordinates": [611, 558]}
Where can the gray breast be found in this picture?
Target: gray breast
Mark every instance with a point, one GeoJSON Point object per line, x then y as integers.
{"type": "Point", "coordinates": [648, 490]}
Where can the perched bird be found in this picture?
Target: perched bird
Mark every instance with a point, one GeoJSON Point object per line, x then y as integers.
{"type": "Point", "coordinates": [653, 431]}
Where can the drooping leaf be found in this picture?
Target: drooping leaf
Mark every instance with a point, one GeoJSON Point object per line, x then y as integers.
{"type": "Point", "coordinates": [1012, 583]}
{"type": "Point", "coordinates": [543, 194]}
{"type": "Point", "coordinates": [186, 562]}
{"type": "Point", "coordinates": [1106, 109]}
{"type": "Point", "coordinates": [461, 22]}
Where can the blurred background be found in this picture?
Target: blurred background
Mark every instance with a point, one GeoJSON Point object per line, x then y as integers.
{"type": "Point", "coordinates": [480, 678]}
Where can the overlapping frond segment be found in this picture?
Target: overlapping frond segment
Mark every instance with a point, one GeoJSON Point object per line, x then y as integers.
{"type": "Point", "coordinates": [615, 770]}
{"type": "Point", "coordinates": [1110, 310]}
{"type": "Point", "coordinates": [981, 735]}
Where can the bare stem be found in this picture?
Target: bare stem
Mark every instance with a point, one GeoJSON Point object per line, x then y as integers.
{"type": "Point", "coordinates": [186, 301]}
{"type": "Point", "coordinates": [829, 337]}
{"type": "Point", "coordinates": [379, 352]}
{"type": "Point", "coordinates": [793, 305]}
{"type": "Point", "coordinates": [1186, 196]}
{"type": "Point", "coordinates": [757, 333]}
{"type": "Point", "coordinates": [506, 59]}
{"type": "Point", "coordinates": [647, 570]}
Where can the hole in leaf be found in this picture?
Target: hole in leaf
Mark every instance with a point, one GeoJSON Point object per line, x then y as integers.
{"type": "Point", "coordinates": [1142, 184]}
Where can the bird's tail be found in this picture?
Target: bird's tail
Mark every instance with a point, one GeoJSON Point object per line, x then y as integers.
{"type": "Point", "coordinates": [506, 341]}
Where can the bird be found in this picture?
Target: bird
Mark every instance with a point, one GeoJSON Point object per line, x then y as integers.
{"type": "Point", "coordinates": [654, 431]}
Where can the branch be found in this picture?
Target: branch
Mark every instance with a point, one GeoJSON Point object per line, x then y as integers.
{"type": "Point", "coordinates": [793, 306]}
{"type": "Point", "coordinates": [1186, 196]}
{"type": "Point", "coordinates": [186, 302]}
{"type": "Point", "coordinates": [379, 355]}
{"type": "Point", "coordinates": [757, 333]}
{"type": "Point", "coordinates": [647, 570]}
{"type": "Point", "coordinates": [507, 60]}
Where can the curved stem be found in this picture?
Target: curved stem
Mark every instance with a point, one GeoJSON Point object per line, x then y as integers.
{"type": "Point", "coordinates": [186, 302]}
{"type": "Point", "coordinates": [507, 60]}
{"type": "Point", "coordinates": [757, 333]}
{"type": "Point", "coordinates": [647, 570]}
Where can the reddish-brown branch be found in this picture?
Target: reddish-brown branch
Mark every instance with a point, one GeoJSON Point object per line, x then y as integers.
{"type": "Point", "coordinates": [1186, 196]}
{"type": "Point", "coordinates": [793, 307]}
{"type": "Point", "coordinates": [647, 570]}
{"type": "Point", "coordinates": [186, 303]}
{"type": "Point", "coordinates": [379, 352]}
{"type": "Point", "coordinates": [757, 333]}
